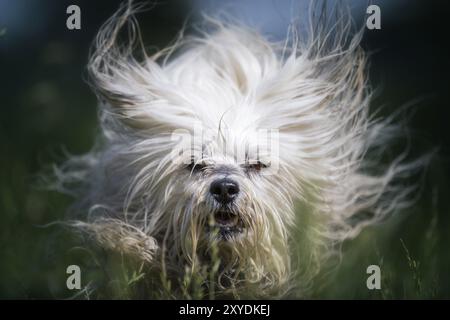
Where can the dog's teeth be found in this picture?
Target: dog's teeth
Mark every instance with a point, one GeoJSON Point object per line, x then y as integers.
{"type": "Point", "coordinates": [225, 218]}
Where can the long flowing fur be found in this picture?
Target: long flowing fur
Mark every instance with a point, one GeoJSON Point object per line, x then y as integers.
{"type": "Point", "coordinates": [134, 198]}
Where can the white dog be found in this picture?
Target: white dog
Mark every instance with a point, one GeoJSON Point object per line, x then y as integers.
{"type": "Point", "coordinates": [208, 148]}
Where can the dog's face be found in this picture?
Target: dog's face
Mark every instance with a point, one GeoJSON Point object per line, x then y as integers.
{"type": "Point", "coordinates": [229, 173]}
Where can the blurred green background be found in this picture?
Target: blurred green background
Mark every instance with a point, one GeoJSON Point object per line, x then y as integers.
{"type": "Point", "coordinates": [47, 107]}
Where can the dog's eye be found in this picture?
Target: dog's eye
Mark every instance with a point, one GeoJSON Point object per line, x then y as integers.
{"type": "Point", "coordinates": [256, 166]}
{"type": "Point", "coordinates": [196, 166]}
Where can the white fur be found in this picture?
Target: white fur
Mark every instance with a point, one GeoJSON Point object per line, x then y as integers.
{"type": "Point", "coordinates": [135, 198]}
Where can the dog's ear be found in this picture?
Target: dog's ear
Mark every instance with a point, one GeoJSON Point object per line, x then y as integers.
{"type": "Point", "coordinates": [320, 87]}
{"type": "Point", "coordinates": [318, 101]}
{"type": "Point", "coordinates": [310, 89]}
{"type": "Point", "coordinates": [135, 91]}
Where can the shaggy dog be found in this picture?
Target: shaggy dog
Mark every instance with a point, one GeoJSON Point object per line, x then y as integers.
{"type": "Point", "coordinates": [212, 148]}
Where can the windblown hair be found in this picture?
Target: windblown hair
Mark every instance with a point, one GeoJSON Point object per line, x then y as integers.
{"type": "Point", "coordinates": [132, 197]}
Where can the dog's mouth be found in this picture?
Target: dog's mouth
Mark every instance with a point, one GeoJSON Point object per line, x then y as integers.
{"type": "Point", "coordinates": [226, 218]}
{"type": "Point", "coordinates": [228, 224]}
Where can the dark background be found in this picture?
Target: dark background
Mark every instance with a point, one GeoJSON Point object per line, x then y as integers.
{"type": "Point", "coordinates": [47, 107]}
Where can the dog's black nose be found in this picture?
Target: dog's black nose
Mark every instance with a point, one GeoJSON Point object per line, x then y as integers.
{"type": "Point", "coordinates": [224, 190]}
